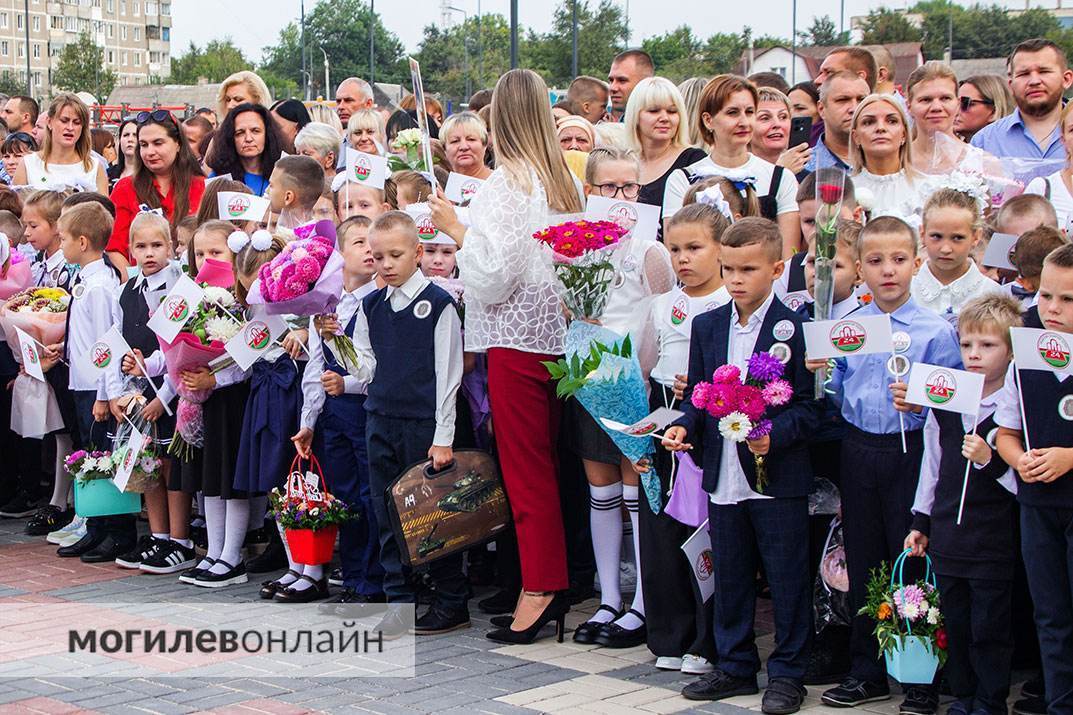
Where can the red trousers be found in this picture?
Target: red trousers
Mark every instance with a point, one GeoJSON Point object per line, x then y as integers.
{"type": "Point", "coordinates": [525, 417]}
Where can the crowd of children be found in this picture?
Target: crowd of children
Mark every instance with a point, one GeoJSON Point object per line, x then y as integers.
{"type": "Point", "coordinates": [710, 294]}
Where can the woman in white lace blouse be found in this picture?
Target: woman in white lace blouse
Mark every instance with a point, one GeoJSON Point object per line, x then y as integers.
{"type": "Point", "coordinates": [514, 314]}
{"type": "Point", "coordinates": [881, 153]}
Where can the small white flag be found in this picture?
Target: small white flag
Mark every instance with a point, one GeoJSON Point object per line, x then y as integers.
{"type": "Point", "coordinates": [698, 550]}
{"type": "Point", "coordinates": [178, 306]}
{"type": "Point", "coordinates": [852, 335]}
{"type": "Point", "coordinates": [944, 388]}
{"type": "Point", "coordinates": [366, 169]}
{"type": "Point", "coordinates": [217, 178]}
{"type": "Point", "coordinates": [461, 188]}
{"type": "Point", "coordinates": [31, 359]}
{"type": "Point", "coordinates": [135, 445]}
{"type": "Point", "coordinates": [426, 228]}
{"type": "Point", "coordinates": [648, 425]}
{"type": "Point", "coordinates": [254, 339]}
{"type": "Point", "coordinates": [997, 254]}
{"type": "Point", "coordinates": [1036, 349]}
{"type": "Point", "coordinates": [236, 206]}
{"type": "Point", "coordinates": [106, 352]}
{"type": "Point", "coordinates": [641, 220]}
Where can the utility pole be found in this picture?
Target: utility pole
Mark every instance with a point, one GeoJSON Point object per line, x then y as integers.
{"type": "Point", "coordinates": [480, 49]}
{"type": "Point", "coordinates": [793, 47]}
{"type": "Point", "coordinates": [573, 39]}
{"type": "Point", "coordinates": [305, 69]}
{"type": "Point", "coordinates": [372, 40]}
{"type": "Point", "coordinates": [29, 74]}
{"type": "Point", "coordinates": [513, 33]}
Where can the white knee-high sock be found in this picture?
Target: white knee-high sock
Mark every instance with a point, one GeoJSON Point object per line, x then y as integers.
{"type": "Point", "coordinates": [605, 520]}
{"type": "Point", "coordinates": [215, 511]}
{"type": "Point", "coordinates": [237, 518]}
{"type": "Point", "coordinates": [313, 572]}
{"type": "Point", "coordinates": [62, 485]}
{"type": "Point", "coordinates": [629, 498]}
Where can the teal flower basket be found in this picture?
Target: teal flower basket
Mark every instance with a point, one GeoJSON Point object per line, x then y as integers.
{"type": "Point", "coordinates": [914, 660]}
{"type": "Point", "coordinates": [100, 497]}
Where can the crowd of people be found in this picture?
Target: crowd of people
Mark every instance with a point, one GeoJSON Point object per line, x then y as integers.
{"type": "Point", "coordinates": [935, 166]}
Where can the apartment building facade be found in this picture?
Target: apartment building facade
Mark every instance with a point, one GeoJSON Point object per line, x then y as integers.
{"type": "Point", "coordinates": [134, 34]}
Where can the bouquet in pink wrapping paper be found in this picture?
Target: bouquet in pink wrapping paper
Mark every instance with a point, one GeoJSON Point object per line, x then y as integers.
{"type": "Point", "coordinates": [306, 278]}
{"type": "Point", "coordinates": [39, 312]}
{"type": "Point", "coordinates": [15, 275]}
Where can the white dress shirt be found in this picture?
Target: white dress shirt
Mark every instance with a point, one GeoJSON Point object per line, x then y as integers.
{"type": "Point", "coordinates": [313, 395]}
{"type": "Point", "coordinates": [94, 302]}
{"type": "Point", "coordinates": [46, 273]}
{"type": "Point", "coordinates": [447, 345]}
{"type": "Point", "coordinates": [947, 299]}
{"type": "Point", "coordinates": [733, 487]}
{"type": "Point", "coordinates": [672, 337]}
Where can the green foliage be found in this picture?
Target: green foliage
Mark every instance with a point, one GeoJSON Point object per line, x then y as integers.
{"type": "Point", "coordinates": [81, 69]}
{"type": "Point", "coordinates": [823, 33]}
{"type": "Point", "coordinates": [573, 373]}
{"type": "Point", "coordinates": [602, 33]}
{"type": "Point", "coordinates": [884, 26]}
{"type": "Point", "coordinates": [981, 30]}
{"type": "Point", "coordinates": [215, 62]}
{"type": "Point", "coordinates": [10, 84]}
{"type": "Point", "coordinates": [676, 53]}
{"type": "Point", "coordinates": [443, 55]}
{"type": "Point", "coordinates": [891, 628]}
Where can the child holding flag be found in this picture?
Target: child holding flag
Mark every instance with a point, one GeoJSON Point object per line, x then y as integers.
{"type": "Point", "coordinates": [1035, 437]}
{"type": "Point", "coordinates": [971, 539]}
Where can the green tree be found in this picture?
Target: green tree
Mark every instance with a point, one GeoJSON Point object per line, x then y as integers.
{"type": "Point", "coordinates": [676, 53]}
{"type": "Point", "coordinates": [219, 59]}
{"type": "Point", "coordinates": [822, 33]}
{"type": "Point", "coordinates": [884, 26]}
{"type": "Point", "coordinates": [602, 33]}
{"type": "Point", "coordinates": [722, 53]}
{"type": "Point", "coordinates": [444, 64]}
{"type": "Point", "coordinates": [81, 69]}
{"type": "Point", "coordinates": [10, 84]}
{"type": "Point", "coordinates": [341, 29]}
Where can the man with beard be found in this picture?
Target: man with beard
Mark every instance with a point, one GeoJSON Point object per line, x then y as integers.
{"type": "Point", "coordinates": [1038, 75]}
{"type": "Point", "coordinates": [840, 94]}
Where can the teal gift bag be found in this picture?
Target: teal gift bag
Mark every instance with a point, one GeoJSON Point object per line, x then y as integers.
{"type": "Point", "coordinates": [100, 497]}
{"type": "Point", "coordinates": [914, 660]}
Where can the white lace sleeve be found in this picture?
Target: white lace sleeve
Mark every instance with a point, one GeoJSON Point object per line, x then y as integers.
{"type": "Point", "coordinates": [658, 274]}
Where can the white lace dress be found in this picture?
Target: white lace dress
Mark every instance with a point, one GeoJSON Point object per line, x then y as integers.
{"type": "Point", "coordinates": [511, 300]}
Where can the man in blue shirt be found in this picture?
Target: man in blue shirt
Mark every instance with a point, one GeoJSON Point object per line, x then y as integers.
{"type": "Point", "coordinates": [839, 96]}
{"type": "Point", "coordinates": [1038, 75]}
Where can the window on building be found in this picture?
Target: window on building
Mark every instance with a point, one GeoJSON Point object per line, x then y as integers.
{"type": "Point", "coordinates": [122, 7]}
{"type": "Point", "coordinates": [165, 8]}
{"type": "Point", "coordinates": [3, 20]}
{"type": "Point", "coordinates": [20, 20]}
{"type": "Point", "coordinates": [20, 49]}
{"type": "Point", "coordinates": [135, 6]}
{"type": "Point", "coordinates": [110, 6]}
{"type": "Point", "coordinates": [123, 33]}
{"type": "Point", "coordinates": [151, 8]}
{"type": "Point", "coordinates": [111, 30]}
{"type": "Point", "coordinates": [37, 79]}
{"type": "Point", "coordinates": [154, 57]}
{"type": "Point", "coordinates": [165, 34]}
{"type": "Point", "coordinates": [37, 23]}
{"type": "Point", "coordinates": [137, 59]}
{"type": "Point", "coordinates": [37, 51]}
{"type": "Point", "coordinates": [70, 23]}
{"type": "Point", "coordinates": [5, 48]}
{"type": "Point", "coordinates": [126, 58]}
{"type": "Point", "coordinates": [111, 57]}
{"type": "Point", "coordinates": [137, 34]}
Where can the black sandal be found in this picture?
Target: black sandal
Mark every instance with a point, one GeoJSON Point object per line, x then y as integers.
{"type": "Point", "coordinates": [269, 588]}
{"type": "Point", "coordinates": [586, 633]}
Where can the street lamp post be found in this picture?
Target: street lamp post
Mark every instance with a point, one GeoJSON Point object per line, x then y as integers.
{"type": "Point", "coordinates": [513, 34]}
{"type": "Point", "coordinates": [573, 38]}
{"type": "Point", "coordinates": [327, 78]}
{"type": "Point", "coordinates": [465, 47]}
{"type": "Point", "coordinates": [305, 73]}
{"type": "Point", "coordinates": [372, 41]}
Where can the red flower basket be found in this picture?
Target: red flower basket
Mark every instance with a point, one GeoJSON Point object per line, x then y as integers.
{"type": "Point", "coordinates": [312, 547]}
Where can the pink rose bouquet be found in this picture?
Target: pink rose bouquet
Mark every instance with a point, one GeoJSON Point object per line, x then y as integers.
{"type": "Point", "coordinates": [581, 257]}
{"type": "Point", "coordinates": [306, 278]}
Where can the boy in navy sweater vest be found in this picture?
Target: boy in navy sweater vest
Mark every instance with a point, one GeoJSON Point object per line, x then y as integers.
{"type": "Point", "coordinates": [408, 339]}
{"type": "Point", "coordinates": [748, 528]}
{"type": "Point", "coordinates": [974, 560]}
{"type": "Point", "coordinates": [1046, 471]}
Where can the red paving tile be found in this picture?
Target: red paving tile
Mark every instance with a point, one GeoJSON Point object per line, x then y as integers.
{"type": "Point", "coordinates": [34, 567]}
{"type": "Point", "coordinates": [47, 706]}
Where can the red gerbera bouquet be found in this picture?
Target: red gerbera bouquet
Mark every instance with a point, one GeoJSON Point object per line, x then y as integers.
{"type": "Point", "coordinates": [581, 256]}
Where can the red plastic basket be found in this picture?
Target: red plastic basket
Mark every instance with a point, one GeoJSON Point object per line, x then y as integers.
{"type": "Point", "coordinates": [312, 547]}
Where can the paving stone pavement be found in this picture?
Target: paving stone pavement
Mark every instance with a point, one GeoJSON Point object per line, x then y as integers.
{"type": "Point", "coordinates": [459, 672]}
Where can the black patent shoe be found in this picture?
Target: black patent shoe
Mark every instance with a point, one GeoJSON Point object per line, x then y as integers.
{"type": "Point", "coordinates": [269, 588]}
{"type": "Point", "coordinates": [86, 544]}
{"type": "Point", "coordinates": [190, 575]}
{"type": "Point", "coordinates": [556, 611]}
{"type": "Point", "coordinates": [317, 592]}
{"type": "Point", "coordinates": [612, 635]}
{"type": "Point", "coordinates": [587, 631]}
{"type": "Point", "coordinates": [108, 550]}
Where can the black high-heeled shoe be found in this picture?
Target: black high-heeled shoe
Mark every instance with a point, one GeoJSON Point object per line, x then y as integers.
{"type": "Point", "coordinates": [556, 610]}
{"type": "Point", "coordinates": [501, 621]}
{"type": "Point", "coordinates": [586, 633]}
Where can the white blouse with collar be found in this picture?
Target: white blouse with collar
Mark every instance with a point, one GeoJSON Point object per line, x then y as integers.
{"type": "Point", "coordinates": [929, 293]}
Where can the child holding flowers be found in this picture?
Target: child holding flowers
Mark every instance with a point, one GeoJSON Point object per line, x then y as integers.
{"type": "Point", "coordinates": [748, 527]}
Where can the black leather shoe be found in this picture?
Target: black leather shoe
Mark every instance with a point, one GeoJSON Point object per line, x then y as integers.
{"type": "Point", "coordinates": [190, 575]}
{"type": "Point", "coordinates": [318, 591]}
{"type": "Point", "coordinates": [555, 611]}
{"type": "Point", "coordinates": [783, 697]}
{"type": "Point", "coordinates": [612, 635]}
{"type": "Point", "coordinates": [269, 588]}
{"type": "Point", "coordinates": [108, 550]}
{"type": "Point", "coordinates": [502, 601]}
{"type": "Point", "coordinates": [587, 631]}
{"type": "Point", "coordinates": [440, 620]}
{"type": "Point", "coordinates": [853, 692]}
{"type": "Point", "coordinates": [920, 700]}
{"type": "Point", "coordinates": [826, 665]}
{"type": "Point", "coordinates": [1033, 688]}
{"type": "Point", "coordinates": [86, 543]}
{"type": "Point", "coordinates": [338, 604]}
{"type": "Point", "coordinates": [233, 575]}
{"type": "Point", "coordinates": [718, 685]}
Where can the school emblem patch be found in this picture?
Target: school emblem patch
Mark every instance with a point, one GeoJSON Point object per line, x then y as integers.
{"type": "Point", "coordinates": [101, 355]}
{"type": "Point", "coordinates": [848, 336]}
{"type": "Point", "coordinates": [1054, 350]}
{"type": "Point", "coordinates": [940, 386]}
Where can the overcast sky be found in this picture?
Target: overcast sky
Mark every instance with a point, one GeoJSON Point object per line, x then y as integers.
{"type": "Point", "coordinates": [254, 24]}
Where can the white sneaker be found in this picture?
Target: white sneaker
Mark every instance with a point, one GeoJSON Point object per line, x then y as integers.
{"type": "Point", "coordinates": [59, 536]}
{"type": "Point", "coordinates": [668, 662]}
{"type": "Point", "coordinates": [74, 536]}
{"type": "Point", "coordinates": [695, 665]}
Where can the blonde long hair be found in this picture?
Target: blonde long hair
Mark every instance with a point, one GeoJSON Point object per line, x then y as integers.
{"type": "Point", "coordinates": [259, 93]}
{"type": "Point", "coordinates": [905, 153]}
{"type": "Point", "coordinates": [84, 145]}
{"type": "Point", "coordinates": [525, 139]}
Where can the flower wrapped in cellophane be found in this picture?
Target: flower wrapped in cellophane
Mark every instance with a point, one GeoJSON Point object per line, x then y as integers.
{"type": "Point", "coordinates": [41, 313]}
{"type": "Point", "coordinates": [581, 254]}
{"type": "Point", "coordinates": [15, 274]}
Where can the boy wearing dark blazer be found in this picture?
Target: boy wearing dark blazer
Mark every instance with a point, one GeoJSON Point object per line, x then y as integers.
{"type": "Point", "coordinates": [749, 528]}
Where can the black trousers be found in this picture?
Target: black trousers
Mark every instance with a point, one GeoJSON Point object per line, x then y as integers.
{"type": "Point", "coordinates": [878, 486]}
{"type": "Point", "coordinates": [393, 445]}
{"type": "Point", "coordinates": [1047, 545]}
{"type": "Point", "coordinates": [980, 644]}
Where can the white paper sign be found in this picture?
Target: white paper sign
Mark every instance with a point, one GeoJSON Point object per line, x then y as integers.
{"type": "Point", "coordinates": [254, 339]}
{"type": "Point", "coordinates": [426, 229]}
{"type": "Point", "coordinates": [852, 335]}
{"type": "Point", "coordinates": [997, 254]}
{"type": "Point", "coordinates": [105, 353]}
{"type": "Point", "coordinates": [648, 425]}
{"type": "Point", "coordinates": [135, 445]}
{"type": "Point", "coordinates": [31, 359]}
{"type": "Point", "coordinates": [236, 206]}
{"type": "Point", "coordinates": [176, 309]}
{"type": "Point", "coordinates": [641, 220]}
{"type": "Point", "coordinates": [365, 169]}
{"type": "Point", "coordinates": [153, 298]}
{"type": "Point", "coordinates": [461, 188]}
{"type": "Point", "coordinates": [944, 388]}
{"type": "Point", "coordinates": [698, 550]}
{"type": "Point", "coordinates": [1036, 349]}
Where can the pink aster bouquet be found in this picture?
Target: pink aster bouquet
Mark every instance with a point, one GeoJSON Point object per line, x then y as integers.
{"type": "Point", "coordinates": [739, 403]}
{"type": "Point", "coordinates": [306, 278]}
{"type": "Point", "coordinates": [581, 256]}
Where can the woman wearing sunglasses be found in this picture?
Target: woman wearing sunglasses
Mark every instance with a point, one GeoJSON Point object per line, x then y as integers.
{"type": "Point", "coordinates": [982, 99]}
{"type": "Point", "coordinates": [66, 155]}
{"type": "Point", "coordinates": [166, 176]}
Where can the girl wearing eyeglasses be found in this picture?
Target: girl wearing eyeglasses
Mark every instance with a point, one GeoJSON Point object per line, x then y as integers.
{"type": "Point", "coordinates": [66, 155]}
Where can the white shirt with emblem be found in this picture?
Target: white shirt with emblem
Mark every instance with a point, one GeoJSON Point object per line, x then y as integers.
{"type": "Point", "coordinates": [671, 317]}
